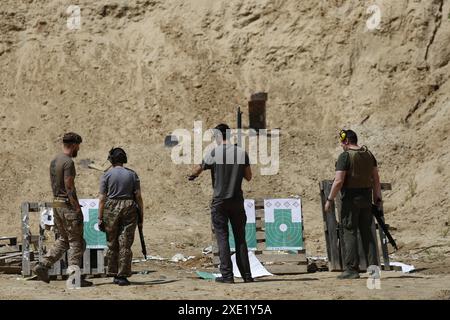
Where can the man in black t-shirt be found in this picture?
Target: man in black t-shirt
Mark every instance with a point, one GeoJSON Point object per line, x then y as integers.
{"type": "Point", "coordinates": [358, 180]}
{"type": "Point", "coordinates": [230, 165]}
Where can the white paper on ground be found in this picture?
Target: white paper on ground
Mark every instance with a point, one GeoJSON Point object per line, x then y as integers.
{"type": "Point", "coordinates": [256, 267]}
{"type": "Point", "coordinates": [405, 267]}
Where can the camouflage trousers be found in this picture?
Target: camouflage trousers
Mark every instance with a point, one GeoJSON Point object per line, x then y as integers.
{"type": "Point", "coordinates": [120, 218]}
{"type": "Point", "coordinates": [69, 225]}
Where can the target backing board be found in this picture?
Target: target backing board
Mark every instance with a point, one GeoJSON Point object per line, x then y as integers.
{"type": "Point", "coordinates": [95, 239]}
{"type": "Point", "coordinates": [283, 221]}
{"type": "Point", "coordinates": [250, 227]}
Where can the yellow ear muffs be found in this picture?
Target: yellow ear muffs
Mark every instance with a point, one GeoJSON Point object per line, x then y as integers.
{"type": "Point", "coordinates": [342, 135]}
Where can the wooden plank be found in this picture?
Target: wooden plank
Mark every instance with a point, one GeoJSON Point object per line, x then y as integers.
{"type": "Point", "coordinates": [384, 247]}
{"type": "Point", "coordinates": [264, 258]}
{"type": "Point", "coordinates": [57, 269]}
{"type": "Point", "coordinates": [260, 246]}
{"type": "Point", "coordinates": [11, 255]}
{"type": "Point", "coordinates": [259, 203]}
{"type": "Point", "coordinates": [100, 261]}
{"type": "Point", "coordinates": [87, 262]}
{"type": "Point", "coordinates": [10, 249]}
{"type": "Point", "coordinates": [37, 206]}
{"type": "Point", "coordinates": [52, 270]}
{"type": "Point", "coordinates": [12, 241]}
{"type": "Point", "coordinates": [275, 258]}
{"type": "Point", "coordinates": [26, 235]}
{"type": "Point", "coordinates": [287, 269]}
{"type": "Point", "coordinates": [384, 185]}
{"type": "Point", "coordinates": [260, 236]}
{"type": "Point", "coordinates": [260, 225]}
{"type": "Point", "coordinates": [330, 228]}
{"type": "Point", "coordinates": [373, 229]}
{"type": "Point", "coordinates": [10, 269]}
{"type": "Point", "coordinates": [259, 213]}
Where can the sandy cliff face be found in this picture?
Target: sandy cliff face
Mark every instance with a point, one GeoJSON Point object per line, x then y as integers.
{"type": "Point", "coordinates": [137, 70]}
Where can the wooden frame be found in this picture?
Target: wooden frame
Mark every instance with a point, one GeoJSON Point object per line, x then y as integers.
{"type": "Point", "coordinates": [276, 262]}
{"type": "Point", "coordinates": [93, 259]}
{"type": "Point", "coordinates": [333, 232]}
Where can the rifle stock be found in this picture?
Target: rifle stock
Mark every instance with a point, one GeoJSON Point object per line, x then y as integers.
{"type": "Point", "coordinates": [141, 232]}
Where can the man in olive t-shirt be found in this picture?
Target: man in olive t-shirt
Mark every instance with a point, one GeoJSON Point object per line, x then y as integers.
{"type": "Point", "coordinates": [358, 180]}
{"type": "Point", "coordinates": [66, 211]}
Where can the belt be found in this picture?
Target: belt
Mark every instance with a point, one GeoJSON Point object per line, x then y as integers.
{"type": "Point", "coordinates": [120, 198]}
{"type": "Point", "coordinates": [59, 202]}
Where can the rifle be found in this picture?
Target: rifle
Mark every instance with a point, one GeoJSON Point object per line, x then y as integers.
{"type": "Point", "coordinates": [239, 126]}
{"type": "Point", "coordinates": [378, 214]}
{"type": "Point", "coordinates": [141, 233]}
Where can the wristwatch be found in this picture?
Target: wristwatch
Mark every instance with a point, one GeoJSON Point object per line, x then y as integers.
{"type": "Point", "coordinates": [329, 200]}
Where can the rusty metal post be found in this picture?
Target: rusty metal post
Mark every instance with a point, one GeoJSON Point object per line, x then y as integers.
{"type": "Point", "coordinates": [257, 110]}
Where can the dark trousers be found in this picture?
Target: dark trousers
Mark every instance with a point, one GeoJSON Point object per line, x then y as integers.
{"type": "Point", "coordinates": [356, 214]}
{"type": "Point", "coordinates": [231, 210]}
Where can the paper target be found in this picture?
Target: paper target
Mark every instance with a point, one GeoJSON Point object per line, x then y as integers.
{"type": "Point", "coordinates": [250, 227]}
{"type": "Point", "coordinates": [283, 221]}
{"type": "Point", "coordinates": [95, 239]}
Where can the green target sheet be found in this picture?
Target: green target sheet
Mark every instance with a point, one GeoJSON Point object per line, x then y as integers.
{"type": "Point", "coordinates": [283, 222]}
{"type": "Point", "coordinates": [250, 227]}
{"type": "Point", "coordinates": [95, 239]}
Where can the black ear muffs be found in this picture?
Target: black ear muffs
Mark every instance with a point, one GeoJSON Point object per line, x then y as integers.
{"type": "Point", "coordinates": [117, 155]}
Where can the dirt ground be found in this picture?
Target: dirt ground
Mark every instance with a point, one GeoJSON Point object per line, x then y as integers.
{"type": "Point", "coordinates": [138, 70]}
{"type": "Point", "coordinates": [165, 280]}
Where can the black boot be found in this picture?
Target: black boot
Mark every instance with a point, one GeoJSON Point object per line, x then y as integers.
{"type": "Point", "coordinates": [349, 274]}
{"type": "Point", "coordinates": [224, 280]}
{"type": "Point", "coordinates": [42, 272]}
{"type": "Point", "coordinates": [122, 281]}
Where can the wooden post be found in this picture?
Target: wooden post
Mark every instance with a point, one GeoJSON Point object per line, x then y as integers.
{"type": "Point", "coordinates": [87, 262]}
{"type": "Point", "coordinates": [26, 235]}
{"type": "Point", "coordinates": [331, 229]}
{"type": "Point", "coordinates": [335, 245]}
{"type": "Point", "coordinates": [384, 247]}
{"type": "Point", "coordinates": [100, 261]}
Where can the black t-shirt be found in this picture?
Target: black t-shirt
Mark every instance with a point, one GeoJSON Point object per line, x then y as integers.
{"type": "Point", "coordinates": [227, 162]}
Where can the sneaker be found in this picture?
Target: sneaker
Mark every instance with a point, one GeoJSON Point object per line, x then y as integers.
{"type": "Point", "coordinates": [85, 283]}
{"type": "Point", "coordinates": [347, 274]}
{"type": "Point", "coordinates": [224, 280]}
{"type": "Point", "coordinates": [123, 282]}
{"type": "Point", "coordinates": [250, 279]}
{"type": "Point", "coordinates": [116, 280]}
{"type": "Point", "coordinates": [42, 272]}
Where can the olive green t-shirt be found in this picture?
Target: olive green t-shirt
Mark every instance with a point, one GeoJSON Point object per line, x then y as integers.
{"type": "Point", "coordinates": [61, 167]}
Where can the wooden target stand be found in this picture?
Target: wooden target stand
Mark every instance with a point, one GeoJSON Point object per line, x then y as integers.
{"type": "Point", "coordinates": [276, 262]}
{"type": "Point", "coordinates": [333, 233]}
{"type": "Point", "coordinates": [33, 248]}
